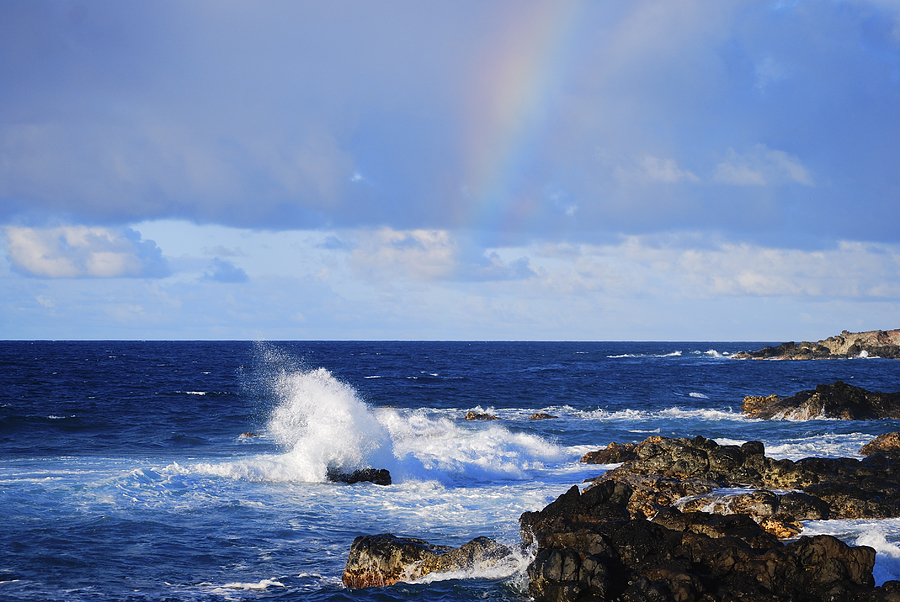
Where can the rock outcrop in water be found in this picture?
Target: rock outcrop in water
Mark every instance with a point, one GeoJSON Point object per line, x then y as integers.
{"type": "Point", "coordinates": [381, 560]}
{"type": "Point", "coordinates": [613, 454]}
{"type": "Point", "coordinates": [681, 520]}
{"type": "Point", "coordinates": [481, 416]}
{"type": "Point", "coordinates": [872, 343]}
{"type": "Point", "coordinates": [379, 476]}
{"type": "Point", "coordinates": [588, 549]}
{"type": "Point", "coordinates": [778, 494]}
{"type": "Point", "coordinates": [886, 444]}
{"type": "Point", "coordinates": [838, 400]}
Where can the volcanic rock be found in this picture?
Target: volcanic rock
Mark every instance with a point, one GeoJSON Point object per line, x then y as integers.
{"type": "Point", "coordinates": [586, 551]}
{"type": "Point", "coordinates": [872, 343]}
{"type": "Point", "coordinates": [838, 400]}
{"type": "Point", "coordinates": [887, 444]}
{"type": "Point", "coordinates": [613, 454]}
{"type": "Point", "coordinates": [385, 559]}
{"type": "Point", "coordinates": [379, 476]}
{"type": "Point", "coordinates": [699, 474]}
{"type": "Point", "coordinates": [480, 416]}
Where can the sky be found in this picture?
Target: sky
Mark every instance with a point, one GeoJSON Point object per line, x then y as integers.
{"type": "Point", "coordinates": [718, 170]}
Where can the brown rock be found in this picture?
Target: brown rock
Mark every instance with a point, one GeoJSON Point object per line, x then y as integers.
{"type": "Point", "coordinates": [480, 416]}
{"type": "Point", "coordinates": [838, 400]}
{"type": "Point", "coordinates": [541, 416]}
{"type": "Point", "coordinates": [887, 444]}
{"type": "Point", "coordinates": [873, 343]}
{"type": "Point", "coordinates": [688, 557]}
{"type": "Point", "coordinates": [382, 560]}
{"type": "Point", "coordinates": [613, 454]}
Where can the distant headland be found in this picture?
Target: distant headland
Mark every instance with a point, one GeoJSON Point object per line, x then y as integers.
{"type": "Point", "coordinates": [872, 343]}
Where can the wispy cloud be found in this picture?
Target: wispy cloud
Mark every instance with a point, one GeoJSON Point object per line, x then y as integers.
{"type": "Point", "coordinates": [762, 166]}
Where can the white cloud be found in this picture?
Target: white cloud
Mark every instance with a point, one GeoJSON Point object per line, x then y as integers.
{"type": "Point", "coordinates": [83, 252]}
{"type": "Point", "coordinates": [415, 254]}
{"type": "Point", "coordinates": [430, 256]}
{"type": "Point", "coordinates": [649, 169]}
{"type": "Point", "coordinates": [761, 166]}
{"type": "Point", "coordinates": [639, 266]}
{"type": "Point", "coordinates": [665, 170]}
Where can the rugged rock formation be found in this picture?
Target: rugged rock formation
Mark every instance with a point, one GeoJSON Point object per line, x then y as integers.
{"type": "Point", "coordinates": [613, 454]}
{"type": "Point", "coordinates": [872, 343]}
{"type": "Point", "coordinates": [480, 416]}
{"type": "Point", "coordinates": [588, 550]}
{"type": "Point", "coordinates": [381, 560]}
{"type": "Point", "coordinates": [541, 416]}
{"type": "Point", "coordinates": [379, 476]}
{"type": "Point", "coordinates": [685, 520]}
{"type": "Point", "coordinates": [887, 444]}
{"type": "Point", "coordinates": [838, 400]}
{"type": "Point", "coordinates": [691, 473]}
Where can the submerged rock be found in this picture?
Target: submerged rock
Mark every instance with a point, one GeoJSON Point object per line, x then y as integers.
{"type": "Point", "coordinates": [541, 416]}
{"type": "Point", "coordinates": [838, 400]}
{"type": "Point", "coordinates": [480, 416]}
{"type": "Point", "coordinates": [379, 476]}
{"type": "Point", "coordinates": [382, 560]}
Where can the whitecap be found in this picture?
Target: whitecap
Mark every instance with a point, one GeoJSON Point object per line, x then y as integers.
{"type": "Point", "coordinates": [260, 585]}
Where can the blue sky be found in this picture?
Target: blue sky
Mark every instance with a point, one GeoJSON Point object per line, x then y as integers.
{"type": "Point", "coordinates": [648, 170]}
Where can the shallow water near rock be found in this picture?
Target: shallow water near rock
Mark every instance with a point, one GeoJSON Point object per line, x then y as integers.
{"type": "Point", "coordinates": [124, 473]}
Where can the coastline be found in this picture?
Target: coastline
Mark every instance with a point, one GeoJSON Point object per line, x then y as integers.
{"type": "Point", "coordinates": [871, 343]}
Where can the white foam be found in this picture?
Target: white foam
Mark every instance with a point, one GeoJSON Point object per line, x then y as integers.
{"type": "Point", "coordinates": [512, 565]}
{"type": "Point", "coordinates": [698, 395]}
{"type": "Point", "coordinates": [673, 412]}
{"type": "Point", "coordinates": [636, 355]}
{"type": "Point", "coordinates": [830, 445]}
{"type": "Point", "coordinates": [440, 448]}
{"type": "Point", "coordinates": [261, 585]}
{"type": "Point", "coordinates": [321, 423]}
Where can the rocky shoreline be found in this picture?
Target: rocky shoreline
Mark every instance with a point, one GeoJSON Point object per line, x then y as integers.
{"type": "Point", "coordinates": [684, 520]}
{"type": "Point", "coordinates": [838, 400]}
{"type": "Point", "coordinates": [871, 343]}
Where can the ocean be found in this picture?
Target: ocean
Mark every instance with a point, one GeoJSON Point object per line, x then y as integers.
{"type": "Point", "coordinates": [141, 471]}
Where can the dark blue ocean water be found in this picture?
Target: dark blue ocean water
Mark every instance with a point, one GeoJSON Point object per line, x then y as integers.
{"type": "Point", "coordinates": [124, 474]}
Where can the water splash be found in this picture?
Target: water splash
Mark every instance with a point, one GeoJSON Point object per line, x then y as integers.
{"type": "Point", "coordinates": [321, 423]}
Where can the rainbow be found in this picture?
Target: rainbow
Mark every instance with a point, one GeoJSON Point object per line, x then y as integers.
{"type": "Point", "coordinates": [517, 91]}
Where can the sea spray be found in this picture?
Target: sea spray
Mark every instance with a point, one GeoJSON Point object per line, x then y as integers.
{"type": "Point", "coordinates": [322, 424]}
{"type": "Point", "coordinates": [451, 451]}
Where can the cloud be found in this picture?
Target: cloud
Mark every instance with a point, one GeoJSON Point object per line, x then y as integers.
{"type": "Point", "coordinates": [225, 271]}
{"type": "Point", "coordinates": [83, 252]}
{"type": "Point", "coordinates": [297, 116]}
{"type": "Point", "coordinates": [422, 255]}
{"type": "Point", "coordinates": [429, 256]}
{"type": "Point", "coordinates": [761, 166]}
{"type": "Point", "coordinates": [655, 169]}
{"type": "Point", "coordinates": [704, 268]}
